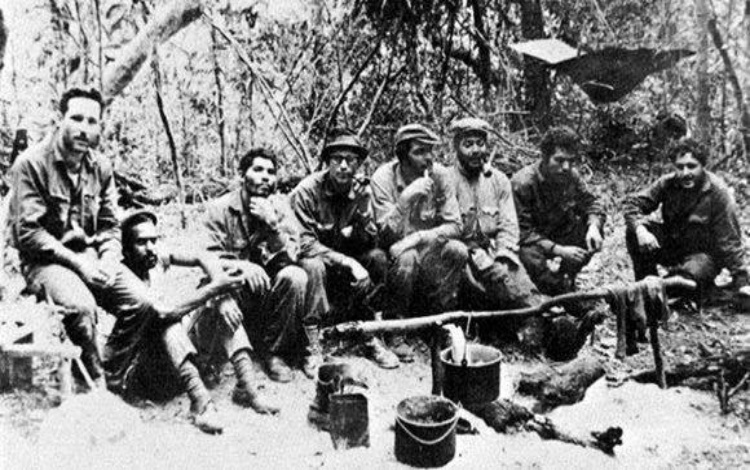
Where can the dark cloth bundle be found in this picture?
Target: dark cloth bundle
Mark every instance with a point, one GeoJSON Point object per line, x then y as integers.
{"type": "Point", "coordinates": [636, 306]}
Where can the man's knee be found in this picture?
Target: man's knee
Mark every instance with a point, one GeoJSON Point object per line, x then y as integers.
{"type": "Point", "coordinates": [376, 263]}
{"type": "Point", "coordinates": [292, 277]}
{"type": "Point", "coordinates": [177, 344]}
{"type": "Point", "coordinates": [455, 252]}
{"type": "Point", "coordinates": [698, 266]}
{"type": "Point", "coordinates": [533, 259]}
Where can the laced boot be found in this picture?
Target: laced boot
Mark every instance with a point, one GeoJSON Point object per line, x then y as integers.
{"type": "Point", "coordinates": [380, 354]}
{"type": "Point", "coordinates": [243, 393]}
{"type": "Point", "coordinates": [208, 420]}
{"type": "Point", "coordinates": [313, 353]}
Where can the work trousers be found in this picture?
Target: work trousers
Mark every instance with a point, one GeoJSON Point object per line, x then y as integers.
{"type": "Point", "coordinates": [549, 281]}
{"type": "Point", "coordinates": [332, 298]}
{"type": "Point", "coordinates": [676, 257]}
{"type": "Point", "coordinates": [65, 288]}
{"type": "Point", "coordinates": [425, 280]}
{"type": "Point", "coordinates": [273, 317]}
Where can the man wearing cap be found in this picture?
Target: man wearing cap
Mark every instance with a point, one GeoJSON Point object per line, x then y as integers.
{"type": "Point", "coordinates": [560, 220]}
{"type": "Point", "coordinates": [496, 277]}
{"type": "Point", "coordinates": [149, 346]}
{"type": "Point", "coordinates": [340, 241]}
{"type": "Point", "coordinates": [256, 234]}
{"type": "Point", "coordinates": [418, 217]}
{"type": "Point", "coordinates": [700, 233]}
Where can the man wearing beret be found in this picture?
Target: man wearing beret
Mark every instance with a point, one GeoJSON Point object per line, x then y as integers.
{"type": "Point", "coordinates": [149, 348]}
{"type": "Point", "coordinates": [419, 221]}
{"type": "Point", "coordinates": [256, 234]}
{"type": "Point", "coordinates": [700, 233]}
{"type": "Point", "coordinates": [560, 220]}
{"type": "Point", "coordinates": [497, 279]}
{"type": "Point", "coordinates": [339, 240]}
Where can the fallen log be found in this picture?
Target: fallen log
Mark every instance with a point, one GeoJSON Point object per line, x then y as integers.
{"type": "Point", "coordinates": [564, 385]}
{"type": "Point", "coordinates": [504, 416]}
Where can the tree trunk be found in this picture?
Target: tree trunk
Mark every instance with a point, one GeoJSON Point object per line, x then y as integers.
{"type": "Point", "coordinates": [479, 9]}
{"type": "Point", "coordinates": [3, 39]}
{"type": "Point", "coordinates": [703, 111]}
{"type": "Point", "coordinates": [167, 20]}
{"type": "Point", "coordinates": [219, 106]}
{"type": "Point", "coordinates": [537, 94]}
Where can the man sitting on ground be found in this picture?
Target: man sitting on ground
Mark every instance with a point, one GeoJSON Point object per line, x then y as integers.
{"type": "Point", "coordinates": [256, 234]}
{"type": "Point", "coordinates": [418, 219]}
{"type": "Point", "coordinates": [560, 220]}
{"type": "Point", "coordinates": [700, 233]}
{"type": "Point", "coordinates": [496, 279]}
{"type": "Point", "coordinates": [339, 240]}
{"type": "Point", "coordinates": [149, 344]}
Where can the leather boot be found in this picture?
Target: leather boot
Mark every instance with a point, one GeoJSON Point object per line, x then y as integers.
{"type": "Point", "coordinates": [313, 352]}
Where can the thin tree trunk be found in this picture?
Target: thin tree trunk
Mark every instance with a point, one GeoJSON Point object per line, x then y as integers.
{"type": "Point", "coordinates": [537, 95]}
{"type": "Point", "coordinates": [479, 10]}
{"type": "Point", "coordinates": [170, 139]}
{"type": "Point", "coordinates": [219, 107]}
{"type": "Point", "coordinates": [703, 111]}
{"type": "Point", "coordinates": [100, 49]}
{"type": "Point", "coordinates": [744, 115]}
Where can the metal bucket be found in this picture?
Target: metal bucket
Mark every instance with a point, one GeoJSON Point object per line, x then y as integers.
{"type": "Point", "coordinates": [426, 431]}
{"type": "Point", "coordinates": [475, 382]}
{"type": "Point", "coordinates": [349, 421]}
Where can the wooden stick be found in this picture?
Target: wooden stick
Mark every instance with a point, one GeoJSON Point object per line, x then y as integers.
{"type": "Point", "coordinates": [653, 333]}
{"type": "Point", "coordinates": [419, 323]}
{"type": "Point", "coordinates": [437, 364]}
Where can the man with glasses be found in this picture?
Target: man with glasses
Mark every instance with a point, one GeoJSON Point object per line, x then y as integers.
{"type": "Point", "coordinates": [340, 242]}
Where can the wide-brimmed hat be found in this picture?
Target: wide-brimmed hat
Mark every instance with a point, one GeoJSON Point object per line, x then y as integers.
{"type": "Point", "coordinates": [343, 141]}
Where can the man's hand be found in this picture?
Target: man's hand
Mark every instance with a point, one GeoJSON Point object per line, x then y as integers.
{"type": "Point", "coordinates": [421, 186]}
{"type": "Point", "coordinates": [262, 208]}
{"type": "Point", "coordinates": [572, 254]}
{"type": "Point", "coordinates": [256, 277]}
{"type": "Point", "coordinates": [647, 242]}
{"type": "Point", "coordinates": [230, 312]}
{"type": "Point", "coordinates": [225, 283]}
{"type": "Point", "coordinates": [358, 272]}
{"type": "Point", "coordinates": [594, 239]}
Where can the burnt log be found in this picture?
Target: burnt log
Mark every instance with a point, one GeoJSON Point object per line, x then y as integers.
{"type": "Point", "coordinates": [504, 416]}
{"type": "Point", "coordinates": [732, 364]}
{"type": "Point", "coordinates": [563, 385]}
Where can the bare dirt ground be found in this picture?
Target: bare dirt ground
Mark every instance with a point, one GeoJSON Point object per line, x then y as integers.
{"type": "Point", "coordinates": [677, 428]}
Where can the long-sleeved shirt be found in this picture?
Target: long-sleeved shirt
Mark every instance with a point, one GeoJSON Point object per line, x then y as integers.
{"type": "Point", "coordinates": [548, 211]}
{"type": "Point", "coordinates": [230, 228]}
{"type": "Point", "coordinates": [488, 211]}
{"type": "Point", "coordinates": [46, 203]}
{"type": "Point", "coordinates": [334, 225]}
{"type": "Point", "coordinates": [703, 220]}
{"type": "Point", "coordinates": [437, 212]}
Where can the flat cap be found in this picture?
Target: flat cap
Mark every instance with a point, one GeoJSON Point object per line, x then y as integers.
{"type": "Point", "coordinates": [138, 215]}
{"type": "Point", "coordinates": [343, 141]}
{"type": "Point", "coordinates": [469, 124]}
{"type": "Point", "coordinates": [416, 132]}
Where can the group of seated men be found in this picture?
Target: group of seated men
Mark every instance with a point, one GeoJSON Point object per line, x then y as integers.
{"type": "Point", "coordinates": [416, 239]}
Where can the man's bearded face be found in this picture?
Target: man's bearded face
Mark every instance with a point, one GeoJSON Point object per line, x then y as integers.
{"type": "Point", "coordinates": [140, 250]}
{"type": "Point", "coordinates": [471, 149]}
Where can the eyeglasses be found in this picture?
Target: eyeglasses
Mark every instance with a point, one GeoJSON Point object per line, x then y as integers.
{"type": "Point", "coordinates": [351, 160]}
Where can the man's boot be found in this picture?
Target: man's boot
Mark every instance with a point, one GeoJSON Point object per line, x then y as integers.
{"type": "Point", "coordinates": [380, 354]}
{"type": "Point", "coordinates": [313, 352]}
{"type": "Point", "coordinates": [243, 393]}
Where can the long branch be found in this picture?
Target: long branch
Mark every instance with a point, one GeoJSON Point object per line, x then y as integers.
{"type": "Point", "coordinates": [419, 323]}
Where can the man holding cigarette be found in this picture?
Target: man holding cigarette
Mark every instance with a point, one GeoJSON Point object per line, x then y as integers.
{"type": "Point", "coordinates": [417, 214]}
